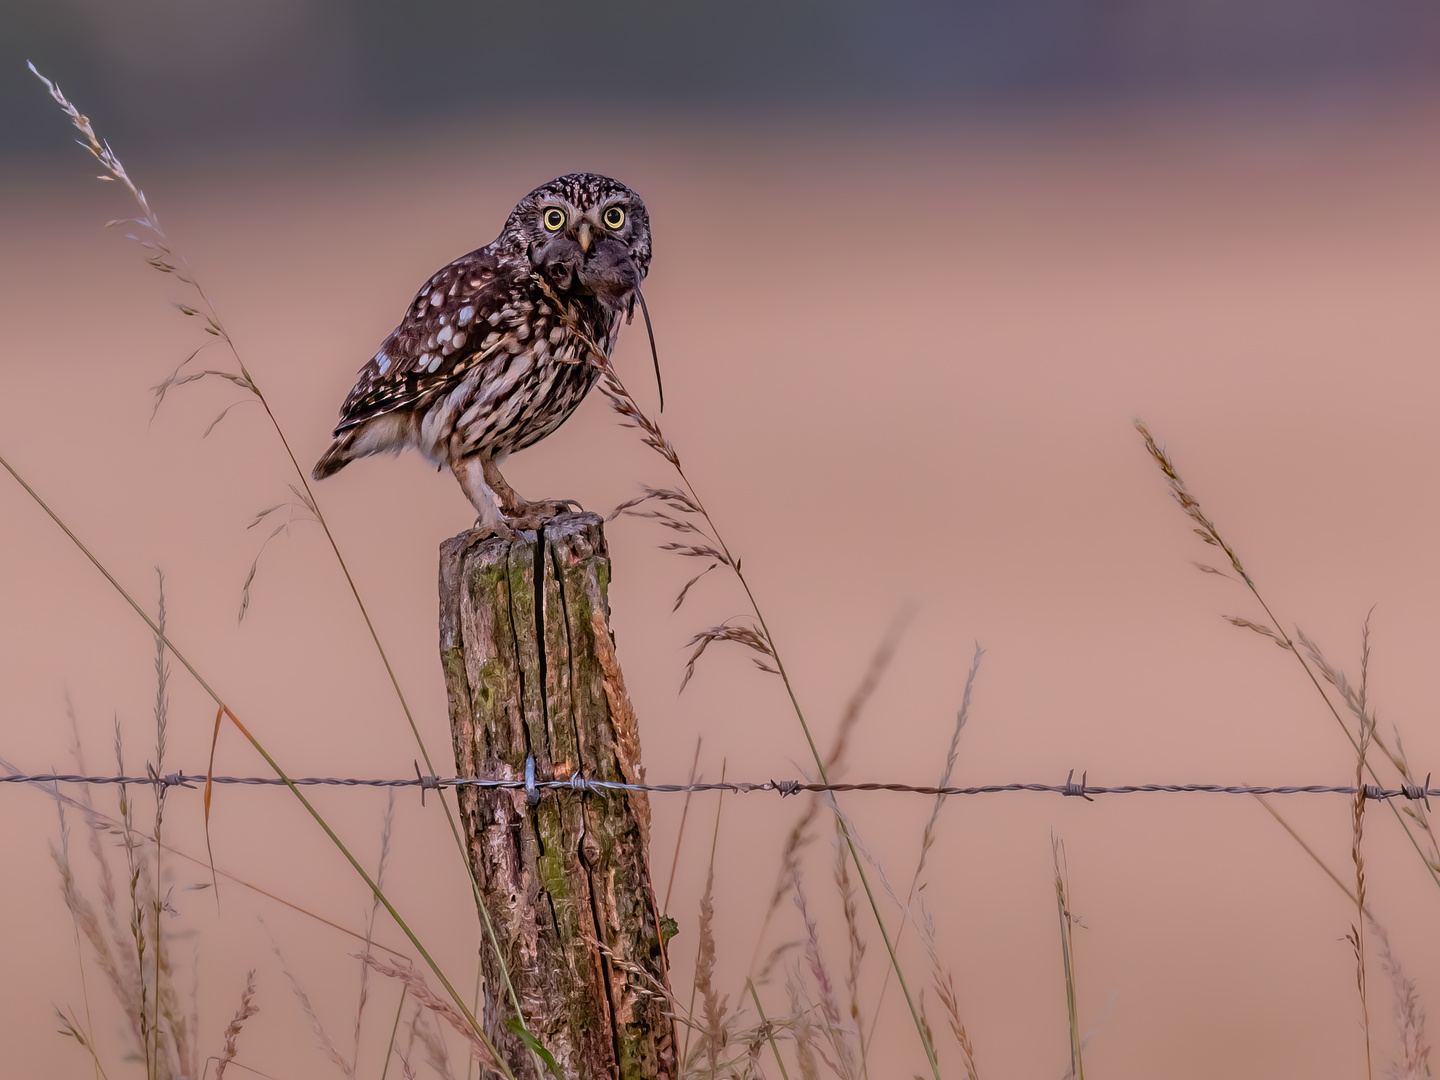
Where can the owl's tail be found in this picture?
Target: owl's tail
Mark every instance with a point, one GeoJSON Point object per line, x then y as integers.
{"type": "Point", "coordinates": [336, 458]}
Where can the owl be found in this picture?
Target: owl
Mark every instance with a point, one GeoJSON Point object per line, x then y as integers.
{"type": "Point", "coordinates": [495, 351]}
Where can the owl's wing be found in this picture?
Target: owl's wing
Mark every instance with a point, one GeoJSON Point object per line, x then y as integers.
{"type": "Point", "coordinates": [444, 333]}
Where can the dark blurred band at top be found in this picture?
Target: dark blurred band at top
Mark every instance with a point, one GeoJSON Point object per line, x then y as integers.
{"type": "Point", "coordinates": [166, 71]}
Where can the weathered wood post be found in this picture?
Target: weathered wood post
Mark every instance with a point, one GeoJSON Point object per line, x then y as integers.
{"type": "Point", "coordinates": [531, 672]}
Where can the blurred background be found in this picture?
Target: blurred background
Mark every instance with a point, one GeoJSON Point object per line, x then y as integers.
{"type": "Point", "coordinates": [918, 265]}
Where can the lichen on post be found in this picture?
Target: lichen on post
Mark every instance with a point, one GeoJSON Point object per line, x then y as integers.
{"type": "Point", "coordinates": [531, 673]}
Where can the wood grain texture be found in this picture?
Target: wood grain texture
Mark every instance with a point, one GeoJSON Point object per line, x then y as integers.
{"type": "Point", "coordinates": [530, 669]}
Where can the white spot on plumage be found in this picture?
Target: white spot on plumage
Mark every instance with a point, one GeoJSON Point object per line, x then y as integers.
{"type": "Point", "coordinates": [458, 339]}
{"type": "Point", "coordinates": [494, 318]}
{"type": "Point", "coordinates": [444, 334]}
{"type": "Point", "coordinates": [466, 314]}
{"type": "Point", "coordinates": [437, 298]}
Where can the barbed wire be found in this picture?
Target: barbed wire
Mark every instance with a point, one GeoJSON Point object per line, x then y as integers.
{"type": "Point", "coordinates": [534, 788]}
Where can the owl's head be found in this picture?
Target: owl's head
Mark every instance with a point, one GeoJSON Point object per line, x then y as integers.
{"type": "Point", "coordinates": [583, 233]}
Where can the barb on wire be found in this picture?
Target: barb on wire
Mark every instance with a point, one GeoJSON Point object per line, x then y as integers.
{"type": "Point", "coordinates": [534, 788]}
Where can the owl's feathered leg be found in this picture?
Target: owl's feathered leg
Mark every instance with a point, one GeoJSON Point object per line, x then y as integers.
{"type": "Point", "coordinates": [519, 511]}
{"type": "Point", "coordinates": [472, 474]}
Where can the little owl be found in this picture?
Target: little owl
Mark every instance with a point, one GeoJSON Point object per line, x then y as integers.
{"type": "Point", "coordinates": [495, 351]}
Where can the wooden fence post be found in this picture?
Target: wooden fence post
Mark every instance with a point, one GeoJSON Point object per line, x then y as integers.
{"type": "Point", "coordinates": [531, 673]}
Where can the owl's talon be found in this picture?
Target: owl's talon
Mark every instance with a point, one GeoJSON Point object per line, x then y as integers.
{"type": "Point", "coordinates": [531, 515]}
{"type": "Point", "coordinates": [499, 530]}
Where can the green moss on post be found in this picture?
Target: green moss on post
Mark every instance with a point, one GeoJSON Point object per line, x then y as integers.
{"type": "Point", "coordinates": [531, 671]}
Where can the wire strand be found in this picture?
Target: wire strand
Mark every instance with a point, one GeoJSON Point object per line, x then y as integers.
{"type": "Point", "coordinates": [534, 788]}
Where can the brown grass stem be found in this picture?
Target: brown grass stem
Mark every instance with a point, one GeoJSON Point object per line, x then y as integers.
{"type": "Point", "coordinates": [680, 833]}
{"type": "Point", "coordinates": [225, 711]}
{"type": "Point", "coordinates": [91, 813]}
{"type": "Point", "coordinates": [1206, 529]}
{"type": "Point", "coordinates": [1067, 953]}
{"type": "Point", "coordinates": [799, 835]}
{"type": "Point", "coordinates": [1357, 855]}
{"type": "Point", "coordinates": [68, 889]}
{"type": "Point", "coordinates": [767, 1028]}
{"type": "Point", "coordinates": [759, 639]}
{"type": "Point", "coordinates": [394, 1030]}
{"type": "Point", "coordinates": [1307, 848]}
{"type": "Point", "coordinates": [703, 983]}
{"type": "Point", "coordinates": [164, 259]}
{"type": "Point", "coordinates": [927, 839]}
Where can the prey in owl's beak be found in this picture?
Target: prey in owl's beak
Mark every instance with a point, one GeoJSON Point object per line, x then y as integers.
{"type": "Point", "coordinates": [589, 262]}
{"type": "Point", "coordinates": [600, 265]}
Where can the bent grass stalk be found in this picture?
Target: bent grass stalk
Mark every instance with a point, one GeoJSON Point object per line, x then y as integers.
{"type": "Point", "coordinates": [710, 544]}
{"type": "Point", "coordinates": [1207, 530]}
{"type": "Point", "coordinates": [927, 838]}
{"type": "Point", "coordinates": [91, 814]}
{"type": "Point", "coordinates": [164, 259]}
{"type": "Point", "coordinates": [224, 712]}
{"type": "Point", "coordinates": [83, 1035]}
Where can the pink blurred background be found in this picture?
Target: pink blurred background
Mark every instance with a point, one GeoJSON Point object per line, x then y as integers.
{"type": "Point", "coordinates": [902, 355]}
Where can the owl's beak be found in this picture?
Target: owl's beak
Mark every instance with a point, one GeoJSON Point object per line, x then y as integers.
{"type": "Point", "coordinates": [584, 235]}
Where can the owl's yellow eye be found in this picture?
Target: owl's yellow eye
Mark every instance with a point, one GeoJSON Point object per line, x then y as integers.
{"type": "Point", "coordinates": [614, 217]}
{"type": "Point", "coordinates": [553, 219]}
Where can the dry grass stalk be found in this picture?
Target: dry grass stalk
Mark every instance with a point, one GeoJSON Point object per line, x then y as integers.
{"type": "Point", "coordinates": [105, 959]}
{"type": "Point", "coordinates": [943, 979]}
{"type": "Point", "coordinates": [803, 1030]}
{"type": "Point", "coordinates": [385, 833]}
{"type": "Point", "coordinates": [927, 838]}
{"type": "Point", "coordinates": [71, 1027]}
{"type": "Point", "coordinates": [136, 867]}
{"type": "Point", "coordinates": [247, 1009]}
{"type": "Point", "coordinates": [322, 1037]}
{"type": "Point", "coordinates": [836, 1032]}
{"type": "Point", "coordinates": [394, 1031]}
{"type": "Point", "coordinates": [1356, 701]}
{"type": "Point", "coordinates": [133, 955]}
{"type": "Point", "coordinates": [766, 1030]}
{"type": "Point", "coordinates": [426, 998]}
{"type": "Point", "coordinates": [680, 832]}
{"type": "Point", "coordinates": [1414, 1063]}
{"type": "Point", "coordinates": [1067, 952]}
{"type": "Point", "coordinates": [800, 835]}
{"type": "Point", "coordinates": [856, 945]}
{"type": "Point", "coordinates": [1409, 1012]}
{"type": "Point", "coordinates": [713, 1029]}
{"type": "Point", "coordinates": [80, 911]}
{"type": "Point", "coordinates": [683, 511]}
{"type": "Point", "coordinates": [162, 713]}
{"type": "Point", "coordinates": [97, 823]}
{"type": "Point", "coordinates": [743, 633]}
{"type": "Point", "coordinates": [1208, 532]}
{"type": "Point", "coordinates": [1357, 928]}
{"type": "Point", "coordinates": [437, 1054]}
{"type": "Point", "coordinates": [163, 258]}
